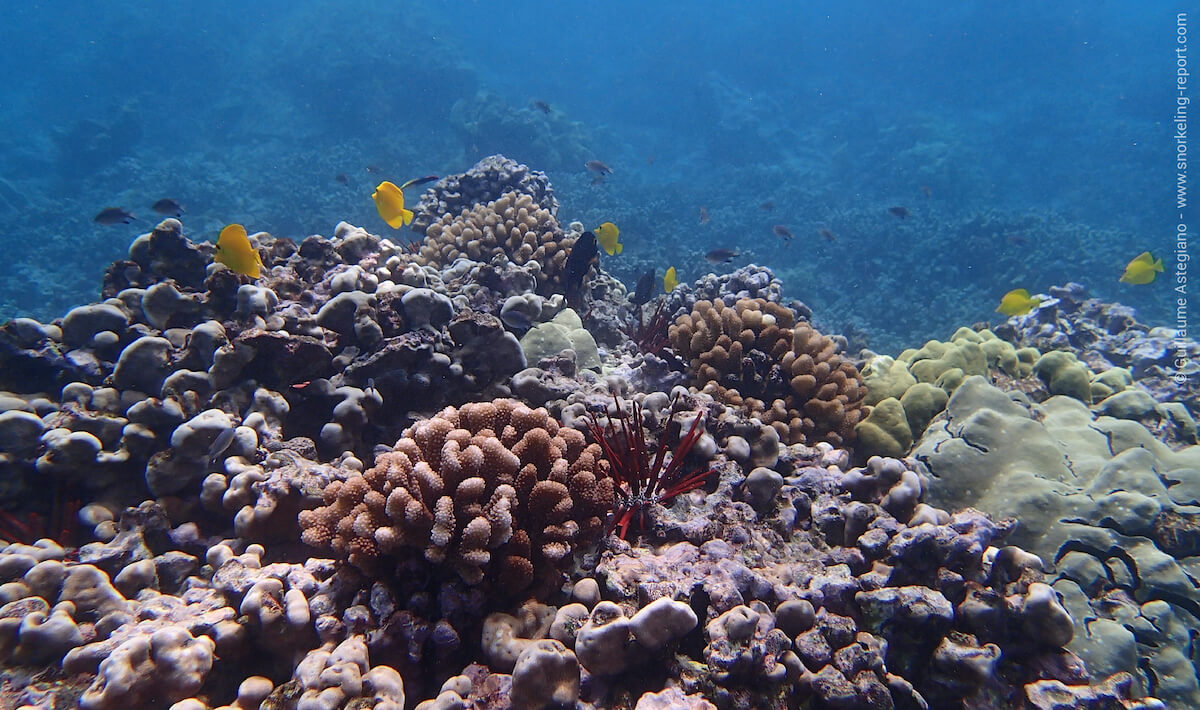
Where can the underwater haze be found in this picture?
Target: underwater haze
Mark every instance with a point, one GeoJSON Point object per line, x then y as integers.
{"type": "Point", "coordinates": [1028, 143]}
{"type": "Point", "coordinates": [436, 354]}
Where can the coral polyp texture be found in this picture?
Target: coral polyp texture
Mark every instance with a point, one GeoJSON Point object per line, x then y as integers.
{"type": "Point", "coordinates": [756, 356]}
{"type": "Point", "coordinates": [512, 227]}
{"type": "Point", "coordinates": [490, 490]}
{"type": "Point", "coordinates": [485, 182]}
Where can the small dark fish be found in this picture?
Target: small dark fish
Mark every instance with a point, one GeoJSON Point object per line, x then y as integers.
{"type": "Point", "coordinates": [927, 191]}
{"type": "Point", "coordinates": [341, 177]}
{"type": "Point", "coordinates": [767, 206]}
{"type": "Point", "coordinates": [645, 287]}
{"type": "Point", "coordinates": [782, 232]}
{"type": "Point", "coordinates": [579, 263]}
{"type": "Point", "coordinates": [222, 442]}
{"type": "Point", "coordinates": [370, 385]}
{"type": "Point", "coordinates": [113, 215]}
{"type": "Point", "coordinates": [1017, 240]}
{"type": "Point", "coordinates": [649, 160]}
{"type": "Point", "coordinates": [419, 181]}
{"type": "Point", "coordinates": [703, 215]}
{"type": "Point", "coordinates": [167, 206]}
{"type": "Point", "coordinates": [598, 167]}
{"type": "Point", "coordinates": [516, 319]}
{"type": "Point", "coordinates": [543, 107]}
{"type": "Point", "coordinates": [900, 212]}
{"type": "Point", "coordinates": [721, 256]}
{"type": "Point", "coordinates": [827, 234]}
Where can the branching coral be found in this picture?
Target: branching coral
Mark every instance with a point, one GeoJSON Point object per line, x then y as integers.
{"type": "Point", "coordinates": [512, 226]}
{"type": "Point", "coordinates": [756, 356]}
{"type": "Point", "coordinates": [644, 476]}
{"type": "Point", "coordinates": [492, 490]}
{"type": "Point", "coordinates": [485, 181]}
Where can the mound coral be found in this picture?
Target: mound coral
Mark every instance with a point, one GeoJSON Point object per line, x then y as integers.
{"type": "Point", "coordinates": [492, 490]}
{"type": "Point", "coordinates": [513, 225]}
{"type": "Point", "coordinates": [756, 356]}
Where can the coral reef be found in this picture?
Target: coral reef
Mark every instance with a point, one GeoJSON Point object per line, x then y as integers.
{"type": "Point", "coordinates": [512, 226]}
{"type": "Point", "coordinates": [755, 355]}
{"type": "Point", "coordinates": [906, 392]}
{"type": "Point", "coordinates": [489, 490]}
{"type": "Point", "coordinates": [385, 478]}
{"type": "Point", "coordinates": [1108, 335]}
{"type": "Point", "coordinates": [485, 182]}
{"type": "Point", "coordinates": [1087, 491]}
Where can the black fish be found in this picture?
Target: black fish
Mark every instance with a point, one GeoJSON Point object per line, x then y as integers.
{"type": "Point", "coordinates": [113, 215]}
{"type": "Point", "coordinates": [167, 206]}
{"type": "Point", "coordinates": [342, 178]}
{"type": "Point", "coordinates": [598, 167]}
{"type": "Point", "coordinates": [579, 263]}
{"type": "Point", "coordinates": [645, 287]}
{"type": "Point", "coordinates": [782, 232]}
{"type": "Point", "coordinates": [721, 256]}
{"type": "Point", "coordinates": [542, 106]}
{"type": "Point", "coordinates": [419, 181]}
{"type": "Point", "coordinates": [900, 212]}
{"type": "Point", "coordinates": [517, 320]}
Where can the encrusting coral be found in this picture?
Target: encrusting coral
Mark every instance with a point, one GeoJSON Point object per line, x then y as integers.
{"type": "Point", "coordinates": [756, 356]}
{"type": "Point", "coordinates": [493, 490]}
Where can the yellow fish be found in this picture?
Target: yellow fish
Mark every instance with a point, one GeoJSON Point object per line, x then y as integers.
{"type": "Point", "coordinates": [1142, 269]}
{"type": "Point", "coordinates": [670, 280]}
{"type": "Point", "coordinates": [1017, 302]}
{"type": "Point", "coordinates": [389, 200]}
{"type": "Point", "coordinates": [235, 251]}
{"type": "Point", "coordinates": [606, 235]}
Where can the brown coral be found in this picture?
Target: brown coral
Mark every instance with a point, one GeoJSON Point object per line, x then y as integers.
{"type": "Point", "coordinates": [512, 225]}
{"type": "Point", "coordinates": [754, 355]}
{"type": "Point", "coordinates": [493, 490]}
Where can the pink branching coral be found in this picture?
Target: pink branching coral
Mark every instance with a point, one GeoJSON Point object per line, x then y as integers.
{"type": "Point", "coordinates": [643, 478]}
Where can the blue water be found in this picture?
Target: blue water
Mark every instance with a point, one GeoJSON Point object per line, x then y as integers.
{"type": "Point", "coordinates": [1029, 141]}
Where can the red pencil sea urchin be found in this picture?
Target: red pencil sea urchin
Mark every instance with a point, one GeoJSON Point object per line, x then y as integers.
{"type": "Point", "coordinates": [651, 336]}
{"type": "Point", "coordinates": [643, 478]}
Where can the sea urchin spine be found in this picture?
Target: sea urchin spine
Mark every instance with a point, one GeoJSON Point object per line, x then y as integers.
{"type": "Point", "coordinates": [644, 479]}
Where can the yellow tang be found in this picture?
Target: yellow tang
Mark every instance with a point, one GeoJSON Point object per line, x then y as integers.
{"type": "Point", "coordinates": [607, 234]}
{"type": "Point", "coordinates": [1142, 269]}
{"type": "Point", "coordinates": [670, 280]}
{"type": "Point", "coordinates": [1017, 302]}
{"type": "Point", "coordinates": [235, 251]}
{"type": "Point", "coordinates": [389, 200]}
